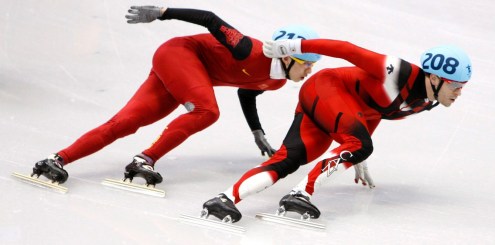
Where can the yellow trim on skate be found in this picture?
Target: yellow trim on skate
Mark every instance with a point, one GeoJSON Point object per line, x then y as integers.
{"type": "Point", "coordinates": [40, 183]}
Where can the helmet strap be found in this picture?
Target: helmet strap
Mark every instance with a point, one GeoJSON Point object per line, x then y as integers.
{"type": "Point", "coordinates": [433, 105]}
{"type": "Point", "coordinates": [437, 89]}
{"type": "Point", "coordinates": [287, 69]}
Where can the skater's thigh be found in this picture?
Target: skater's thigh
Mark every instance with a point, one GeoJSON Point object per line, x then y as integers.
{"type": "Point", "coordinates": [340, 109]}
{"type": "Point", "coordinates": [181, 74]}
{"type": "Point", "coordinates": [192, 87]}
{"type": "Point", "coordinates": [150, 103]}
{"type": "Point", "coordinates": [303, 143]}
{"type": "Point", "coordinates": [315, 140]}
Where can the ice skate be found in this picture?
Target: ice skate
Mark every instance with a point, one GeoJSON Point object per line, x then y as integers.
{"type": "Point", "coordinates": [222, 208]}
{"type": "Point", "coordinates": [52, 169]}
{"type": "Point", "coordinates": [294, 202]}
{"type": "Point", "coordinates": [297, 202]}
{"type": "Point", "coordinates": [139, 167]}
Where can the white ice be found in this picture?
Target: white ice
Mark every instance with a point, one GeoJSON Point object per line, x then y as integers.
{"type": "Point", "coordinates": [68, 66]}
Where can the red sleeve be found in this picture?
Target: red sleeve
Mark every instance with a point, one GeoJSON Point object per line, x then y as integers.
{"type": "Point", "coordinates": [365, 59]}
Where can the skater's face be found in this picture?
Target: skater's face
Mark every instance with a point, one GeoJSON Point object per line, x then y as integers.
{"type": "Point", "coordinates": [299, 70]}
{"type": "Point", "coordinates": [449, 91]}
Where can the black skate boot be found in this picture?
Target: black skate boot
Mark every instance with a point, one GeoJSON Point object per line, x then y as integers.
{"type": "Point", "coordinates": [299, 203]}
{"type": "Point", "coordinates": [222, 208]}
{"type": "Point", "coordinates": [141, 167]}
{"type": "Point", "coordinates": [52, 168]}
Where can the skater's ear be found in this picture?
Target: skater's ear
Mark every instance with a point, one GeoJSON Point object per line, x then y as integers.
{"type": "Point", "coordinates": [434, 79]}
{"type": "Point", "coordinates": [286, 60]}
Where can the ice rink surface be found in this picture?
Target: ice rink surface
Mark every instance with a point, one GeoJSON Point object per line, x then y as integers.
{"type": "Point", "coordinates": [68, 66]}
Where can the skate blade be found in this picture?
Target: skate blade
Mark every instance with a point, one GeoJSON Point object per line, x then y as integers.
{"type": "Point", "coordinates": [40, 183]}
{"type": "Point", "coordinates": [129, 186]}
{"type": "Point", "coordinates": [212, 224]}
{"type": "Point", "coordinates": [290, 221]}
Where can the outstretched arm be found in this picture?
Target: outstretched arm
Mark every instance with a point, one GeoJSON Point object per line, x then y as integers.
{"type": "Point", "coordinates": [365, 59]}
{"type": "Point", "coordinates": [239, 45]}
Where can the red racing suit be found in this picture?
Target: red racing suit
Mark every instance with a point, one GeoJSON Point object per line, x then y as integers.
{"type": "Point", "coordinates": [344, 105]}
{"type": "Point", "coordinates": [184, 71]}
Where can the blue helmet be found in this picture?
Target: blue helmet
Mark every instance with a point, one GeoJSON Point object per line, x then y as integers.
{"type": "Point", "coordinates": [448, 62]}
{"type": "Point", "coordinates": [298, 31]}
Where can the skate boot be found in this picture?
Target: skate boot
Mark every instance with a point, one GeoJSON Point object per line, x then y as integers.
{"type": "Point", "coordinates": [222, 208]}
{"type": "Point", "coordinates": [299, 203]}
{"type": "Point", "coordinates": [52, 168]}
{"type": "Point", "coordinates": [141, 167]}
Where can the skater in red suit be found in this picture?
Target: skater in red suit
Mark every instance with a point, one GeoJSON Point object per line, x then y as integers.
{"type": "Point", "coordinates": [345, 105]}
{"type": "Point", "coordinates": [184, 71]}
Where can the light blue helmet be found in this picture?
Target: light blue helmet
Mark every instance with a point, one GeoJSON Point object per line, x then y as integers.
{"type": "Point", "coordinates": [448, 62]}
{"type": "Point", "coordinates": [298, 31]}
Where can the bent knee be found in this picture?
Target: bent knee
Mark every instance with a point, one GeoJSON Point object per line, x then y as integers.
{"type": "Point", "coordinates": [363, 153]}
{"type": "Point", "coordinates": [210, 112]}
{"type": "Point", "coordinates": [210, 116]}
{"type": "Point", "coordinates": [287, 166]}
{"type": "Point", "coordinates": [200, 119]}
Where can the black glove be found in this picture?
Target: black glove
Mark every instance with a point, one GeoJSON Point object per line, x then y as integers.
{"type": "Point", "coordinates": [143, 14]}
{"type": "Point", "coordinates": [259, 138]}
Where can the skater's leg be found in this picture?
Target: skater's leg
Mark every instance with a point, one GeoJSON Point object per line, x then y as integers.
{"type": "Point", "coordinates": [350, 152]}
{"type": "Point", "coordinates": [304, 143]}
{"type": "Point", "coordinates": [150, 103]}
{"type": "Point", "coordinates": [338, 114]}
{"type": "Point", "coordinates": [188, 81]}
{"type": "Point", "coordinates": [203, 112]}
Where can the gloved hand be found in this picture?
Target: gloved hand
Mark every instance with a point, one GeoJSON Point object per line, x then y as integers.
{"type": "Point", "coordinates": [259, 138]}
{"type": "Point", "coordinates": [363, 175]}
{"type": "Point", "coordinates": [281, 48]}
{"type": "Point", "coordinates": [143, 14]}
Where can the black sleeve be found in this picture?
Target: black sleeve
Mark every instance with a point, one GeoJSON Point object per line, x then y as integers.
{"type": "Point", "coordinates": [239, 45]}
{"type": "Point", "coordinates": [247, 98]}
